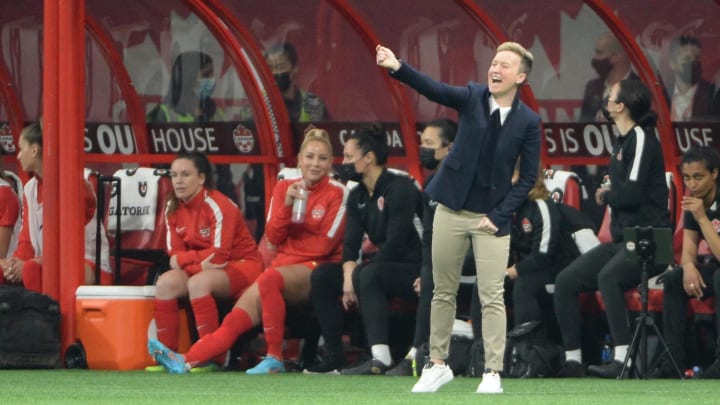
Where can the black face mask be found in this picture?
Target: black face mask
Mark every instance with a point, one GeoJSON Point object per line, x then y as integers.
{"type": "Point", "coordinates": [347, 172]}
{"type": "Point", "coordinates": [691, 72]}
{"type": "Point", "coordinates": [604, 111]}
{"type": "Point", "coordinates": [606, 114]}
{"type": "Point", "coordinates": [602, 67]}
{"type": "Point", "coordinates": [283, 81]}
{"type": "Point", "coordinates": [427, 158]}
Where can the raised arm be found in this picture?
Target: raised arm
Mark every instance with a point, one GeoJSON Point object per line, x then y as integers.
{"type": "Point", "coordinates": [384, 57]}
{"type": "Point", "coordinates": [452, 96]}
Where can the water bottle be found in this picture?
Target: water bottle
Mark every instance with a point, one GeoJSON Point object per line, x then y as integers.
{"type": "Point", "coordinates": [300, 206]}
{"type": "Point", "coordinates": [607, 354]}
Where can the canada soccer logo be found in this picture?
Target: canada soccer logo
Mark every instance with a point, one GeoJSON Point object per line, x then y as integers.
{"type": "Point", "coordinates": [6, 140]}
{"type": "Point", "coordinates": [557, 195]}
{"type": "Point", "coordinates": [243, 139]}
{"type": "Point", "coordinates": [526, 225]}
{"type": "Point", "coordinates": [317, 212]}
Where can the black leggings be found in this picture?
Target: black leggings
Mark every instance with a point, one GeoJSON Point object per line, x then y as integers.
{"type": "Point", "coordinates": [374, 283]}
{"type": "Point", "coordinates": [675, 306]}
{"type": "Point", "coordinates": [603, 268]}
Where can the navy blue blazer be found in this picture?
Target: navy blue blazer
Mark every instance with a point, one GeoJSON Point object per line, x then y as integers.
{"type": "Point", "coordinates": [519, 137]}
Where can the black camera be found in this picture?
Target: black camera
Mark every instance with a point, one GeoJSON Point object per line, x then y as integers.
{"type": "Point", "coordinates": [649, 245]}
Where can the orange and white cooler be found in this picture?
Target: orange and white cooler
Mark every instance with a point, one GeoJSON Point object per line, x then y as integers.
{"type": "Point", "coordinates": [114, 323]}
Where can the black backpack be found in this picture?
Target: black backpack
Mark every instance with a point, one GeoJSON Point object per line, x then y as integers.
{"type": "Point", "coordinates": [29, 329]}
{"type": "Point", "coordinates": [476, 368]}
{"type": "Point", "coordinates": [529, 353]}
{"type": "Point", "coordinates": [458, 355]}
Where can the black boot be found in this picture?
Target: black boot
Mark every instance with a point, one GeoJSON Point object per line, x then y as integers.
{"type": "Point", "coordinates": [610, 370]}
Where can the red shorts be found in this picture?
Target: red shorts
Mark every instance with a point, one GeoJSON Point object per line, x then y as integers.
{"type": "Point", "coordinates": [242, 273]}
{"type": "Point", "coordinates": [311, 265]}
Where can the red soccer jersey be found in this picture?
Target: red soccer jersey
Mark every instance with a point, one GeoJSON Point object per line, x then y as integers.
{"type": "Point", "coordinates": [209, 224]}
{"type": "Point", "coordinates": [319, 237]}
{"type": "Point", "coordinates": [9, 206]}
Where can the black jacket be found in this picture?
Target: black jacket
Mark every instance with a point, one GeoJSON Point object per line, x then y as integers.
{"type": "Point", "coordinates": [387, 217]}
{"type": "Point", "coordinates": [638, 194]}
{"type": "Point", "coordinates": [539, 240]}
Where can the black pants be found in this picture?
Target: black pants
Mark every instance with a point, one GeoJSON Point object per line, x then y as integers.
{"type": "Point", "coordinates": [374, 283]}
{"type": "Point", "coordinates": [604, 268]}
{"type": "Point", "coordinates": [422, 315]}
{"type": "Point", "coordinates": [675, 307]}
{"type": "Point", "coordinates": [531, 300]}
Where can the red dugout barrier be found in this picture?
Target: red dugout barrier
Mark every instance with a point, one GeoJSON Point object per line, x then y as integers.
{"type": "Point", "coordinates": [332, 53]}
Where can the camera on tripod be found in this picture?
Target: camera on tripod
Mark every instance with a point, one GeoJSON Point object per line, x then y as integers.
{"type": "Point", "coordinates": [649, 245]}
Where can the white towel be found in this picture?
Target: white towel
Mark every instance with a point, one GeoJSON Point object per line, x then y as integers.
{"type": "Point", "coordinates": [139, 194]}
{"type": "Point", "coordinates": [560, 178]}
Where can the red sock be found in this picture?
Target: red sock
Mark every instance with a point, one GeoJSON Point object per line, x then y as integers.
{"type": "Point", "coordinates": [217, 343]}
{"type": "Point", "coordinates": [32, 275]}
{"type": "Point", "coordinates": [206, 315]}
{"type": "Point", "coordinates": [167, 321]}
{"type": "Point", "coordinates": [270, 285]}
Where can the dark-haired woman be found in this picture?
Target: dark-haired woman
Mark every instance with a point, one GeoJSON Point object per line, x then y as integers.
{"type": "Point", "coordinates": [697, 276]}
{"type": "Point", "coordinates": [383, 206]}
{"type": "Point", "coordinates": [212, 254]}
{"type": "Point", "coordinates": [26, 264]}
{"type": "Point", "coordinates": [638, 196]}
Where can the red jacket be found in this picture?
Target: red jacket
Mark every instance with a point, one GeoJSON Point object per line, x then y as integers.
{"type": "Point", "coordinates": [320, 237]}
{"type": "Point", "coordinates": [10, 208]}
{"type": "Point", "coordinates": [209, 223]}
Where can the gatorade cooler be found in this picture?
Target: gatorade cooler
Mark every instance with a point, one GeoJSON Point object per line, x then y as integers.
{"type": "Point", "coordinates": [114, 323]}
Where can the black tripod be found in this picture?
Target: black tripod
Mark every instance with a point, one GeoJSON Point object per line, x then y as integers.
{"type": "Point", "coordinates": [644, 321]}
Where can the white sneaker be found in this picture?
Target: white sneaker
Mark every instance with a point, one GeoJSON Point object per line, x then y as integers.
{"type": "Point", "coordinates": [490, 384]}
{"type": "Point", "coordinates": [433, 377]}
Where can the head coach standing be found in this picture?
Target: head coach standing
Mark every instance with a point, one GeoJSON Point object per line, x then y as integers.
{"type": "Point", "coordinates": [476, 198]}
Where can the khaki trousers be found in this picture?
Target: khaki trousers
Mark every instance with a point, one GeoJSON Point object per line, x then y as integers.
{"type": "Point", "coordinates": [452, 233]}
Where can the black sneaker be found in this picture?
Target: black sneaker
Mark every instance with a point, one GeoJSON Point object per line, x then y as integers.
{"type": "Point", "coordinates": [712, 372]}
{"type": "Point", "coordinates": [403, 368]}
{"type": "Point", "coordinates": [370, 367]}
{"type": "Point", "coordinates": [610, 370]}
{"type": "Point", "coordinates": [327, 365]}
{"type": "Point", "coordinates": [572, 369]}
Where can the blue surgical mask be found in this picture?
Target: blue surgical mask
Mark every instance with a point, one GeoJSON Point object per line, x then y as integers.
{"type": "Point", "coordinates": [205, 87]}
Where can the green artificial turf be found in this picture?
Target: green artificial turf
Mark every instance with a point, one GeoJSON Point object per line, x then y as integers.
{"type": "Point", "coordinates": [84, 386]}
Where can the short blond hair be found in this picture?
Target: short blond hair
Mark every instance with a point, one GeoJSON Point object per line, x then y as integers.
{"type": "Point", "coordinates": [526, 58]}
